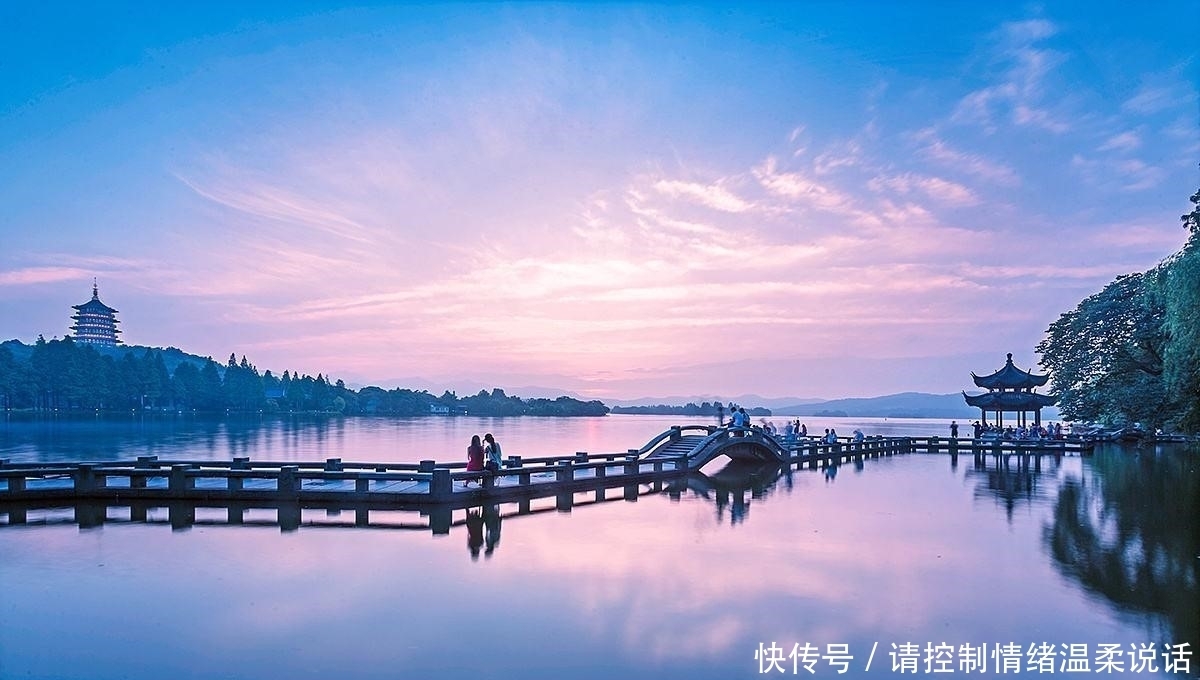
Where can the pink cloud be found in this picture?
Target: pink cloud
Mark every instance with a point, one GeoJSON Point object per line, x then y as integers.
{"type": "Point", "coordinates": [35, 275]}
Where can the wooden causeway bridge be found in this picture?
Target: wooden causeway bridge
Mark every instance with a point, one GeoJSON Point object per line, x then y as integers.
{"type": "Point", "coordinates": [673, 453]}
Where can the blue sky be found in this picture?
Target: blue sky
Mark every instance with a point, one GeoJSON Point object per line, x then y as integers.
{"type": "Point", "coordinates": [828, 199]}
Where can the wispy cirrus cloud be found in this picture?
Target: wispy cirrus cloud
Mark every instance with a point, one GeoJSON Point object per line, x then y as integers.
{"type": "Point", "coordinates": [260, 199]}
{"type": "Point", "coordinates": [932, 147]}
{"type": "Point", "coordinates": [1018, 95]}
{"type": "Point", "coordinates": [34, 275]}
{"type": "Point", "coordinates": [713, 196]}
{"type": "Point", "coordinates": [1127, 174]}
{"type": "Point", "coordinates": [1123, 141]}
{"type": "Point", "coordinates": [941, 190]}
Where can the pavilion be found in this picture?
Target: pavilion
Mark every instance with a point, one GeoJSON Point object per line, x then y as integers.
{"type": "Point", "coordinates": [1010, 389]}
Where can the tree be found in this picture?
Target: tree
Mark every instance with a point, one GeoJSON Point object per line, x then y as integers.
{"type": "Point", "coordinates": [1181, 298]}
{"type": "Point", "coordinates": [1131, 353]}
{"type": "Point", "coordinates": [1105, 356]}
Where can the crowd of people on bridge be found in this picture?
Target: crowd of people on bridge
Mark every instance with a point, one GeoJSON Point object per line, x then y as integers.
{"type": "Point", "coordinates": [1010, 433]}
{"type": "Point", "coordinates": [793, 431]}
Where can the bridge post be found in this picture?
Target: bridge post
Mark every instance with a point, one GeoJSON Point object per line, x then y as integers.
{"type": "Point", "coordinates": [16, 484]}
{"type": "Point", "coordinates": [441, 517]}
{"type": "Point", "coordinates": [288, 484]}
{"type": "Point", "coordinates": [143, 463]}
{"type": "Point", "coordinates": [676, 432]}
{"type": "Point", "coordinates": [426, 466]}
{"type": "Point", "coordinates": [681, 463]}
{"type": "Point", "coordinates": [179, 482]}
{"type": "Point", "coordinates": [233, 483]}
{"type": "Point", "coordinates": [181, 515]}
{"type": "Point", "coordinates": [289, 517]}
{"type": "Point", "coordinates": [514, 461]}
{"type": "Point", "coordinates": [563, 501]}
{"type": "Point", "coordinates": [85, 478]}
{"type": "Point", "coordinates": [240, 463]}
{"type": "Point", "coordinates": [362, 486]}
{"type": "Point", "coordinates": [565, 472]}
{"type": "Point", "coordinates": [581, 456]}
{"type": "Point", "coordinates": [440, 486]}
{"type": "Point", "coordinates": [631, 464]}
{"type": "Point", "coordinates": [333, 464]}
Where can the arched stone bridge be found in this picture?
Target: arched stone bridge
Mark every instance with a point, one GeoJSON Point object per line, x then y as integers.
{"type": "Point", "coordinates": [703, 443]}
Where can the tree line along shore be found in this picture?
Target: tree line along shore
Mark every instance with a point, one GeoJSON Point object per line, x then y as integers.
{"type": "Point", "coordinates": [64, 375]}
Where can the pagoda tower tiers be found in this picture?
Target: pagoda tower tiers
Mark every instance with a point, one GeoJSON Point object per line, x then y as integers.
{"type": "Point", "coordinates": [95, 322]}
{"type": "Point", "coordinates": [1010, 390]}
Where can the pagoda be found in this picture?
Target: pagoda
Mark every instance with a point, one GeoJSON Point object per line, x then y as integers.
{"type": "Point", "coordinates": [95, 322]}
{"type": "Point", "coordinates": [1010, 389]}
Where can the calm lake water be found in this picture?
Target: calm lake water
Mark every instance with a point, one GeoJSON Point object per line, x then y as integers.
{"type": "Point", "coordinates": [916, 549]}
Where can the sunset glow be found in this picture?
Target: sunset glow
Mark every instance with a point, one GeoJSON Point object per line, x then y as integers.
{"type": "Point", "coordinates": [621, 201]}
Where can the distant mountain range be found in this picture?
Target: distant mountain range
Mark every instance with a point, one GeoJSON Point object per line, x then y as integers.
{"type": "Point", "coordinates": [742, 400]}
{"type": "Point", "coordinates": [902, 405]}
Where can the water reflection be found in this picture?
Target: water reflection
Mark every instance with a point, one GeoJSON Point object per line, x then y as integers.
{"type": "Point", "coordinates": [679, 581]}
{"type": "Point", "coordinates": [728, 487]}
{"type": "Point", "coordinates": [1012, 480]}
{"type": "Point", "coordinates": [1127, 530]}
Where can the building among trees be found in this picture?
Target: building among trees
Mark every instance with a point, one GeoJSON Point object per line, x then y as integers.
{"type": "Point", "coordinates": [95, 322]}
{"type": "Point", "coordinates": [1010, 389]}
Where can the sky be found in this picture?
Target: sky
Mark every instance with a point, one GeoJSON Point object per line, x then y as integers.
{"type": "Point", "coordinates": [820, 200]}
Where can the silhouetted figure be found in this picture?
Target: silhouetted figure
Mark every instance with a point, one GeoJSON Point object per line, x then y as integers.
{"type": "Point", "coordinates": [494, 457]}
{"type": "Point", "coordinates": [954, 429]}
{"type": "Point", "coordinates": [474, 458]}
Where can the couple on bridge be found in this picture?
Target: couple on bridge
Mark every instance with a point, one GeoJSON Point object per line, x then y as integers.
{"type": "Point", "coordinates": [482, 456]}
{"type": "Point", "coordinates": [739, 421]}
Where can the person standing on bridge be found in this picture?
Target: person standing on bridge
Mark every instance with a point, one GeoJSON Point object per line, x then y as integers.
{"type": "Point", "coordinates": [954, 429]}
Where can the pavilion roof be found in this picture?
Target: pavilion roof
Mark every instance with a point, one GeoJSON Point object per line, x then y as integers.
{"type": "Point", "coordinates": [94, 306]}
{"type": "Point", "coordinates": [1009, 401]}
{"type": "Point", "coordinates": [1010, 378]}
